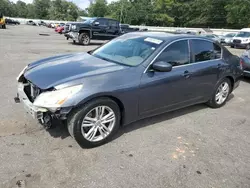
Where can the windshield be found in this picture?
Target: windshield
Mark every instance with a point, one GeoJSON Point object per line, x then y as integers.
{"type": "Point", "coordinates": [243, 34]}
{"type": "Point", "coordinates": [89, 21]}
{"type": "Point", "coordinates": [128, 49]}
{"type": "Point", "coordinates": [230, 35]}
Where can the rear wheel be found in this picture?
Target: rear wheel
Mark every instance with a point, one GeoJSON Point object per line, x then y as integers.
{"type": "Point", "coordinates": [95, 123]}
{"type": "Point", "coordinates": [221, 93]}
{"type": "Point", "coordinates": [4, 26]}
{"type": "Point", "coordinates": [84, 38]}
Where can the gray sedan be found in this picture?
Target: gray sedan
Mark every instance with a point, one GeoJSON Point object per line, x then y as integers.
{"type": "Point", "coordinates": [134, 76]}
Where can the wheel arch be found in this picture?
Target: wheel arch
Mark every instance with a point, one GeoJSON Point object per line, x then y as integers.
{"type": "Point", "coordinates": [85, 31]}
{"type": "Point", "coordinates": [115, 99]}
{"type": "Point", "coordinates": [232, 82]}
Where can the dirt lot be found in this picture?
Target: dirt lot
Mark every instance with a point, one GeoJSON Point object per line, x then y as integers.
{"type": "Point", "coordinates": [196, 147]}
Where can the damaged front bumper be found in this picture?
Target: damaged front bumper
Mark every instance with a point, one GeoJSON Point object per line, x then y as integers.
{"type": "Point", "coordinates": [73, 35]}
{"type": "Point", "coordinates": [43, 115]}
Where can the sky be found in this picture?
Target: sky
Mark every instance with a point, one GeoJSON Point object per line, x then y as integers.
{"type": "Point", "coordinates": [81, 3]}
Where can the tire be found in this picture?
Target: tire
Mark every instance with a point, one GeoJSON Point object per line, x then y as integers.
{"type": "Point", "coordinates": [4, 26]}
{"type": "Point", "coordinates": [213, 102]}
{"type": "Point", "coordinates": [231, 46]}
{"type": "Point", "coordinates": [248, 46]}
{"type": "Point", "coordinates": [84, 38]}
{"type": "Point", "coordinates": [76, 117]}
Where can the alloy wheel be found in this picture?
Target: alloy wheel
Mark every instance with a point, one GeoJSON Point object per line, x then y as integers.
{"type": "Point", "coordinates": [222, 93]}
{"type": "Point", "coordinates": [98, 123]}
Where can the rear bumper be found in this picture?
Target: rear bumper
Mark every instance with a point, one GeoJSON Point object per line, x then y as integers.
{"type": "Point", "coordinates": [246, 73]}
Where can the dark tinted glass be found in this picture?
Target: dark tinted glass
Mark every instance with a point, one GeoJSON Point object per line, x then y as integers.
{"type": "Point", "coordinates": [176, 54]}
{"type": "Point", "coordinates": [217, 51]}
{"type": "Point", "coordinates": [112, 23]}
{"type": "Point", "coordinates": [102, 22]}
{"type": "Point", "coordinates": [204, 50]}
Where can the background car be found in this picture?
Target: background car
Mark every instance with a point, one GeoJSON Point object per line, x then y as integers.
{"type": "Point", "coordinates": [30, 22]}
{"type": "Point", "coordinates": [227, 38]}
{"type": "Point", "coordinates": [11, 21]}
{"type": "Point", "coordinates": [213, 37]}
{"type": "Point", "coordinates": [134, 76]}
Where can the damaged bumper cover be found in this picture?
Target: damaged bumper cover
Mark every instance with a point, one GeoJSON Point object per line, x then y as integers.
{"type": "Point", "coordinates": [43, 115]}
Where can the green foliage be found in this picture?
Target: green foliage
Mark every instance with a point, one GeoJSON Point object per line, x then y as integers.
{"type": "Point", "coordinates": [41, 9]}
{"type": "Point", "coordinates": [98, 9]}
{"type": "Point", "coordinates": [178, 13]}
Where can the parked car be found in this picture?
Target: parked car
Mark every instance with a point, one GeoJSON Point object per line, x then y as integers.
{"type": "Point", "coordinates": [11, 22]}
{"type": "Point", "coordinates": [30, 22]}
{"type": "Point", "coordinates": [213, 37]}
{"type": "Point", "coordinates": [125, 28]}
{"type": "Point", "coordinates": [241, 39]}
{"type": "Point", "coordinates": [245, 63]}
{"type": "Point", "coordinates": [227, 38]}
{"type": "Point", "coordinates": [94, 28]}
{"type": "Point", "coordinates": [134, 76]}
{"type": "Point", "coordinates": [2, 21]}
{"type": "Point", "coordinates": [97, 29]}
{"type": "Point", "coordinates": [59, 29]}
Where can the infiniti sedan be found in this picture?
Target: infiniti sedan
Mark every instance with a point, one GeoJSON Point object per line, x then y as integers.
{"type": "Point", "coordinates": [134, 76]}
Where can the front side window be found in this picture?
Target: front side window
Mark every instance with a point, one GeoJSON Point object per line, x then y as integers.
{"type": "Point", "coordinates": [205, 50]}
{"type": "Point", "coordinates": [102, 22]}
{"type": "Point", "coordinates": [176, 54]}
{"type": "Point", "coordinates": [129, 49]}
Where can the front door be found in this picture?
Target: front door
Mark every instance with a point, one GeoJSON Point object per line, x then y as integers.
{"type": "Point", "coordinates": [99, 29]}
{"type": "Point", "coordinates": [163, 91]}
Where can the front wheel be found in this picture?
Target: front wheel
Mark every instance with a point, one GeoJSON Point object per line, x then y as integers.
{"type": "Point", "coordinates": [221, 93]}
{"type": "Point", "coordinates": [84, 38]}
{"type": "Point", "coordinates": [4, 26]}
{"type": "Point", "coordinates": [94, 123]}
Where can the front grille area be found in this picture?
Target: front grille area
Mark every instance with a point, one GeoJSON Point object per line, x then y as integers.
{"type": "Point", "coordinates": [32, 91]}
{"type": "Point", "coordinates": [237, 41]}
{"type": "Point", "coordinates": [67, 28]}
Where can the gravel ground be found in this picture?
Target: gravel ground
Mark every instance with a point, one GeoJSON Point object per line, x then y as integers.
{"type": "Point", "coordinates": [196, 147]}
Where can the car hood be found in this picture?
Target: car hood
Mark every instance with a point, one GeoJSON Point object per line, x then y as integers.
{"type": "Point", "coordinates": [53, 71]}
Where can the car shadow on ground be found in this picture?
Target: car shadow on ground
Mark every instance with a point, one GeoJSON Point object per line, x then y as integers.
{"type": "Point", "coordinates": [246, 79]}
{"type": "Point", "coordinates": [59, 129]}
{"type": "Point", "coordinates": [90, 44]}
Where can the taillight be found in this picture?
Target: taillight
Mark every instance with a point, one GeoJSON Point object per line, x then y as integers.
{"type": "Point", "coordinates": [241, 64]}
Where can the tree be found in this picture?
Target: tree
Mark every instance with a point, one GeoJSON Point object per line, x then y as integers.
{"type": "Point", "coordinates": [98, 8]}
{"type": "Point", "coordinates": [41, 8]}
{"type": "Point", "coordinates": [21, 9]}
{"type": "Point", "coordinates": [238, 13]}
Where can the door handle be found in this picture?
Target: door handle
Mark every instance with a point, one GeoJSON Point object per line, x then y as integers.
{"type": "Point", "coordinates": [187, 74]}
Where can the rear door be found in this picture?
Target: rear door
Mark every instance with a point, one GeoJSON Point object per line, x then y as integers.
{"type": "Point", "coordinates": [206, 64]}
{"type": "Point", "coordinates": [113, 28]}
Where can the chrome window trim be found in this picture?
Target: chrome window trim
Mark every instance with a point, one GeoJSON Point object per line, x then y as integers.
{"type": "Point", "coordinates": [189, 47]}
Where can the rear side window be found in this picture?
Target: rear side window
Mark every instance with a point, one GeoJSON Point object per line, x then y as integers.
{"type": "Point", "coordinates": [112, 23]}
{"type": "Point", "coordinates": [176, 54]}
{"type": "Point", "coordinates": [204, 50]}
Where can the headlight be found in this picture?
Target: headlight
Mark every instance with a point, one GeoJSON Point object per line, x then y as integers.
{"type": "Point", "coordinates": [55, 99]}
{"type": "Point", "coordinates": [73, 27]}
{"type": "Point", "coordinates": [20, 74]}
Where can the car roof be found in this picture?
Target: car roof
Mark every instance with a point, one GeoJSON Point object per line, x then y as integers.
{"type": "Point", "coordinates": [167, 36]}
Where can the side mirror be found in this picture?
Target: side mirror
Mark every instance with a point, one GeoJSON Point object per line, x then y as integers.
{"type": "Point", "coordinates": [96, 23]}
{"type": "Point", "coordinates": [162, 66]}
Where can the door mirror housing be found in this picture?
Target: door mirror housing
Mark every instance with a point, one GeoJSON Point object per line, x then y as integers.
{"type": "Point", "coordinates": [162, 66]}
{"type": "Point", "coordinates": [96, 23]}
